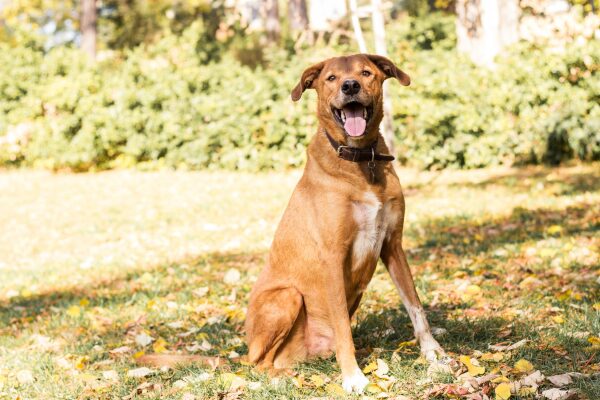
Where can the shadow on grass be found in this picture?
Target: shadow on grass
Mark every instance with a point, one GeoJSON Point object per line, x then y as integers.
{"type": "Point", "coordinates": [463, 236]}
{"type": "Point", "coordinates": [180, 277]}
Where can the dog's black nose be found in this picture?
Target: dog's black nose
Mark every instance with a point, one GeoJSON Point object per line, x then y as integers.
{"type": "Point", "coordinates": [350, 87]}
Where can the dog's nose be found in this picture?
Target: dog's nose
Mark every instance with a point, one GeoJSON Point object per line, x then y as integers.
{"type": "Point", "coordinates": [350, 87]}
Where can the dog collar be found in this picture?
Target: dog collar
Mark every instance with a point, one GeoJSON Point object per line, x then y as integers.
{"type": "Point", "coordinates": [358, 154]}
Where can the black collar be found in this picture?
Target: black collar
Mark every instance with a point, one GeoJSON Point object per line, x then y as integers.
{"type": "Point", "coordinates": [358, 154]}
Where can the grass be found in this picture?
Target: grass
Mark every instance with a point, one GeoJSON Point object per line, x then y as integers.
{"type": "Point", "coordinates": [90, 262]}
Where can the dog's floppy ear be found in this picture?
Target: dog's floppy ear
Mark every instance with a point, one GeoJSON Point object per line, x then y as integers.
{"type": "Point", "coordinates": [308, 76]}
{"type": "Point", "coordinates": [389, 69]}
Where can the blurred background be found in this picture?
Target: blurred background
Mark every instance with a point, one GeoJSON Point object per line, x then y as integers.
{"type": "Point", "coordinates": [196, 84]}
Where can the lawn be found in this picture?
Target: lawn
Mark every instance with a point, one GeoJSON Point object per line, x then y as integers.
{"type": "Point", "coordinates": [98, 269]}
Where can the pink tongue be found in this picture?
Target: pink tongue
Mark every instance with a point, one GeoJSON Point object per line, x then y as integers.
{"type": "Point", "coordinates": [355, 123]}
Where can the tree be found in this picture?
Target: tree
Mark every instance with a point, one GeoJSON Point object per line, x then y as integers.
{"type": "Point", "coordinates": [484, 27]}
{"type": "Point", "coordinates": [88, 27]}
{"type": "Point", "coordinates": [271, 15]}
{"type": "Point", "coordinates": [298, 15]}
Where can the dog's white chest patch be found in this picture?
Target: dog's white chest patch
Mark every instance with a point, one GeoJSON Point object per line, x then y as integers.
{"type": "Point", "coordinates": [374, 221]}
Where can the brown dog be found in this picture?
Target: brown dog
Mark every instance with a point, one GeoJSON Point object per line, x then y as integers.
{"type": "Point", "coordinates": [346, 212]}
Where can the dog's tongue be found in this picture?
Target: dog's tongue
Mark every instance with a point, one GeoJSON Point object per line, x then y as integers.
{"type": "Point", "coordinates": [355, 122]}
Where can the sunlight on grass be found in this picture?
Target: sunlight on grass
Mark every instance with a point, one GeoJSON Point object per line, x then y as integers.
{"type": "Point", "coordinates": [98, 268]}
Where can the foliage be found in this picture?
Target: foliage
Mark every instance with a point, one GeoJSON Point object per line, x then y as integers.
{"type": "Point", "coordinates": [187, 102]}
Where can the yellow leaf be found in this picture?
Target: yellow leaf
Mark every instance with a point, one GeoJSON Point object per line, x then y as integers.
{"type": "Point", "coordinates": [558, 319]}
{"type": "Point", "coordinates": [297, 382]}
{"type": "Point", "coordinates": [150, 305]}
{"type": "Point", "coordinates": [317, 380]}
{"type": "Point", "coordinates": [554, 229]}
{"type": "Point", "coordinates": [159, 346]}
{"type": "Point", "coordinates": [74, 311]}
{"type": "Point", "coordinates": [473, 290]}
{"type": "Point", "coordinates": [503, 391]}
{"type": "Point", "coordinates": [370, 367]}
{"type": "Point", "coordinates": [500, 379]}
{"type": "Point", "coordinates": [335, 389]}
{"type": "Point", "coordinates": [407, 344]}
{"type": "Point", "coordinates": [523, 365]}
{"type": "Point", "coordinates": [478, 237]}
{"type": "Point", "coordinates": [373, 388]}
{"type": "Point", "coordinates": [594, 340]}
{"type": "Point", "coordinates": [596, 306]}
{"type": "Point", "coordinates": [81, 361]}
{"type": "Point", "coordinates": [495, 357]}
{"type": "Point", "coordinates": [84, 302]}
{"type": "Point", "coordinates": [139, 354]}
{"type": "Point", "coordinates": [473, 370]}
{"type": "Point", "coordinates": [527, 391]}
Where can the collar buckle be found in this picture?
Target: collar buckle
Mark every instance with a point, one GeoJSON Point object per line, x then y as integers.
{"type": "Point", "coordinates": [340, 149]}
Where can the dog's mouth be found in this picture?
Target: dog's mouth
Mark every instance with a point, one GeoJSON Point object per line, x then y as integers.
{"type": "Point", "coordinates": [353, 117]}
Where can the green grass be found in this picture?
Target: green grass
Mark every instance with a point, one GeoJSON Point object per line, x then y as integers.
{"type": "Point", "coordinates": [89, 261]}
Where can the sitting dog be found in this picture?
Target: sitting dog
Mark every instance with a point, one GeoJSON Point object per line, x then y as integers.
{"type": "Point", "coordinates": [346, 212]}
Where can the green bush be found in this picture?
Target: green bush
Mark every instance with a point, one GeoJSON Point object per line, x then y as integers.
{"type": "Point", "coordinates": [164, 104]}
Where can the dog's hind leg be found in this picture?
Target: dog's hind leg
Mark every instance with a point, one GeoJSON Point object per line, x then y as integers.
{"type": "Point", "coordinates": [271, 316]}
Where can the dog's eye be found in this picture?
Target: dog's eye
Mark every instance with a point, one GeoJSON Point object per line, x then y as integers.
{"type": "Point", "coordinates": [366, 73]}
{"type": "Point", "coordinates": [331, 78]}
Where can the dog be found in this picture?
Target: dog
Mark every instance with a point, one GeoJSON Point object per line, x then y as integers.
{"type": "Point", "coordinates": [346, 212]}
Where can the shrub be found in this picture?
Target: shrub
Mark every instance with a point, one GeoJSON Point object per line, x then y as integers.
{"type": "Point", "coordinates": [165, 104]}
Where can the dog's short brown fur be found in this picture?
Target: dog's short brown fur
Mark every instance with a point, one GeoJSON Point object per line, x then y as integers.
{"type": "Point", "coordinates": [337, 225]}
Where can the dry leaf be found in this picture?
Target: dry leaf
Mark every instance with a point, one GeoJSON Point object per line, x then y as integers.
{"type": "Point", "coordinates": [558, 394]}
{"type": "Point", "coordinates": [473, 369]}
{"type": "Point", "coordinates": [501, 347]}
{"type": "Point", "coordinates": [143, 339]}
{"type": "Point", "coordinates": [503, 391]}
{"type": "Point", "coordinates": [317, 380]}
{"type": "Point", "coordinates": [232, 276]}
{"type": "Point", "coordinates": [523, 366]}
{"type": "Point", "coordinates": [560, 380]}
{"type": "Point", "coordinates": [139, 372]}
{"type": "Point", "coordinates": [25, 377]}
{"type": "Point", "coordinates": [382, 368]}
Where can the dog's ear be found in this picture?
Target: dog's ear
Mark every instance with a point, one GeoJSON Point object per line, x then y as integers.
{"type": "Point", "coordinates": [306, 81]}
{"type": "Point", "coordinates": [389, 69]}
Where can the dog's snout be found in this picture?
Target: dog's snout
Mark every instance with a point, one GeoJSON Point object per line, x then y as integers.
{"type": "Point", "coordinates": [350, 87]}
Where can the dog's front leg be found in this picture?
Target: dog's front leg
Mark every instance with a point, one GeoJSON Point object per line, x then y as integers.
{"type": "Point", "coordinates": [394, 259]}
{"type": "Point", "coordinates": [335, 293]}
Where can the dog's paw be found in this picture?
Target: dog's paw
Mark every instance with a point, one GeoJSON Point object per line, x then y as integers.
{"type": "Point", "coordinates": [431, 350]}
{"type": "Point", "coordinates": [355, 382]}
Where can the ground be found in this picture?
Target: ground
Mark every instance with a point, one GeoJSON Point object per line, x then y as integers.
{"type": "Point", "coordinates": [99, 268]}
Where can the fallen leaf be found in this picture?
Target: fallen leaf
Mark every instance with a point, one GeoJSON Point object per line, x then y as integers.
{"type": "Point", "coordinates": [25, 377]}
{"type": "Point", "coordinates": [370, 367]}
{"type": "Point", "coordinates": [139, 372]}
{"type": "Point", "coordinates": [143, 339]}
{"type": "Point", "coordinates": [382, 368]}
{"type": "Point", "coordinates": [554, 229]}
{"type": "Point", "coordinates": [188, 396]}
{"type": "Point", "coordinates": [120, 350]}
{"type": "Point", "coordinates": [200, 292]}
{"type": "Point", "coordinates": [335, 389]}
{"type": "Point", "coordinates": [559, 394]}
{"type": "Point", "coordinates": [232, 276]}
{"type": "Point", "coordinates": [501, 347]}
{"type": "Point", "coordinates": [159, 346]}
{"type": "Point", "coordinates": [560, 380]}
{"type": "Point", "coordinates": [317, 380]}
{"type": "Point", "coordinates": [74, 311]}
{"type": "Point", "coordinates": [503, 391]}
{"type": "Point", "coordinates": [473, 369]}
{"type": "Point", "coordinates": [110, 375]}
{"type": "Point", "coordinates": [523, 366]}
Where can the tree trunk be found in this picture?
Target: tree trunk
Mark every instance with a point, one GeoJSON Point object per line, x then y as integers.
{"type": "Point", "coordinates": [358, 34]}
{"type": "Point", "coordinates": [387, 128]}
{"type": "Point", "coordinates": [484, 27]}
{"type": "Point", "coordinates": [298, 15]}
{"type": "Point", "coordinates": [272, 26]}
{"type": "Point", "coordinates": [88, 27]}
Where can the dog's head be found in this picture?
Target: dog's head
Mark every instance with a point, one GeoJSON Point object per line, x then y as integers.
{"type": "Point", "coordinates": [350, 92]}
